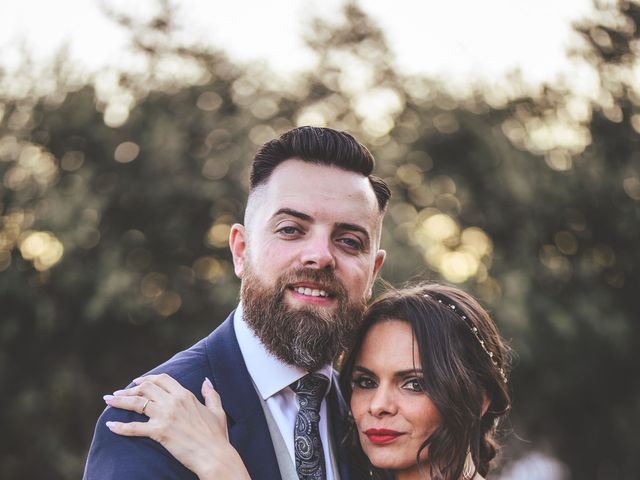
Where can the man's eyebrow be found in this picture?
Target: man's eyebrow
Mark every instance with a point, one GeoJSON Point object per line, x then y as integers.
{"type": "Point", "coordinates": [293, 213]}
{"type": "Point", "coordinates": [353, 227]}
{"type": "Point", "coordinates": [303, 216]}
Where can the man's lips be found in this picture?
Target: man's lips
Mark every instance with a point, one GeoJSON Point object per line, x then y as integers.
{"type": "Point", "coordinates": [311, 290]}
{"type": "Point", "coordinates": [382, 436]}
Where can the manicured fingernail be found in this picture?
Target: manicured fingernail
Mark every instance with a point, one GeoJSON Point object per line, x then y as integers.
{"type": "Point", "coordinates": [118, 392]}
{"type": "Point", "coordinates": [138, 380]}
{"type": "Point", "coordinates": [208, 382]}
{"type": "Point", "coordinates": [108, 397]}
{"type": "Point", "coordinates": [110, 424]}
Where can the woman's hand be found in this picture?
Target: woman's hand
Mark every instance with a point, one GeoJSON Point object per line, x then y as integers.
{"type": "Point", "coordinates": [195, 434]}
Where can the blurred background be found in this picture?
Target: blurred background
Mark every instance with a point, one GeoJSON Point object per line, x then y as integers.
{"type": "Point", "coordinates": [509, 132]}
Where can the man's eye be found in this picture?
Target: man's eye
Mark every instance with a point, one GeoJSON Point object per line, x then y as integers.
{"type": "Point", "coordinates": [363, 382]}
{"type": "Point", "coordinates": [413, 385]}
{"type": "Point", "coordinates": [289, 230]}
{"type": "Point", "coordinates": [352, 243]}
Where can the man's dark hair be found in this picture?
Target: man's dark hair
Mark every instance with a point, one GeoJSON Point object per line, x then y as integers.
{"type": "Point", "coordinates": [323, 146]}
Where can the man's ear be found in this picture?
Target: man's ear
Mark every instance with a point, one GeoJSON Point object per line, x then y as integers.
{"type": "Point", "coordinates": [238, 247]}
{"type": "Point", "coordinates": [380, 256]}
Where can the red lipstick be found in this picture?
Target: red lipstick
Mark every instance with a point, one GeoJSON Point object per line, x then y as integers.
{"type": "Point", "coordinates": [381, 436]}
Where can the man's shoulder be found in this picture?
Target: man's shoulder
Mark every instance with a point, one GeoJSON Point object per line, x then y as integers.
{"type": "Point", "coordinates": [190, 366]}
{"type": "Point", "coordinates": [112, 456]}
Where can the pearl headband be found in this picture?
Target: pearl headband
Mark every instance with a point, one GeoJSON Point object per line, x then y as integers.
{"type": "Point", "coordinates": [476, 333]}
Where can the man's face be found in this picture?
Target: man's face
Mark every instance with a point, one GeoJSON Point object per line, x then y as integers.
{"type": "Point", "coordinates": [308, 258]}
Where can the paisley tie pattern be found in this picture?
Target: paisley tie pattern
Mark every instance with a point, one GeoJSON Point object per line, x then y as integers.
{"type": "Point", "coordinates": [310, 391]}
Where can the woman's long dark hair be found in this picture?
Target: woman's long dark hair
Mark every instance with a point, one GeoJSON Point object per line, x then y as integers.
{"type": "Point", "coordinates": [459, 373]}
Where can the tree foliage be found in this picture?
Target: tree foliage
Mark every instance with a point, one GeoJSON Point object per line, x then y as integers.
{"type": "Point", "coordinates": [114, 215]}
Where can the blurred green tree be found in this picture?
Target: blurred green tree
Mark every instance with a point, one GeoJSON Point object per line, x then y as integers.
{"type": "Point", "coordinates": [115, 211]}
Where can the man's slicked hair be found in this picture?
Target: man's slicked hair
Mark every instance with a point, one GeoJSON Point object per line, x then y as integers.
{"type": "Point", "coordinates": [322, 146]}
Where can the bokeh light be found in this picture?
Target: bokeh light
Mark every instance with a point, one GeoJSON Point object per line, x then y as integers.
{"type": "Point", "coordinates": [457, 255]}
{"type": "Point", "coordinates": [41, 248]}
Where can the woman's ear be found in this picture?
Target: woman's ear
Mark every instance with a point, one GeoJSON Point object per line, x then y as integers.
{"type": "Point", "coordinates": [485, 403]}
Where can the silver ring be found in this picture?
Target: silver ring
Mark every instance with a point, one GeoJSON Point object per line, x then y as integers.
{"type": "Point", "coordinates": [145, 405]}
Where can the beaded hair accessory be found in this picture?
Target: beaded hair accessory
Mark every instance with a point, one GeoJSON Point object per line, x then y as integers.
{"type": "Point", "coordinates": [476, 333]}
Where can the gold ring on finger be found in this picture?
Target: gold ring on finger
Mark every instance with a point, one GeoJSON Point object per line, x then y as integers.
{"type": "Point", "coordinates": [145, 405]}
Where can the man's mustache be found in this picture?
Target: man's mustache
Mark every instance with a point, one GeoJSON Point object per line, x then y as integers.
{"type": "Point", "coordinates": [324, 280]}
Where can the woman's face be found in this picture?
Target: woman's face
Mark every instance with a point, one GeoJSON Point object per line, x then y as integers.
{"type": "Point", "coordinates": [392, 413]}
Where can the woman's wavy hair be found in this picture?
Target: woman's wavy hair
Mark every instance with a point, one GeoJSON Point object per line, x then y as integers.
{"type": "Point", "coordinates": [459, 374]}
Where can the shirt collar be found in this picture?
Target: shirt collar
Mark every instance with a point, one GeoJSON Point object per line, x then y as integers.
{"type": "Point", "coordinates": [269, 374]}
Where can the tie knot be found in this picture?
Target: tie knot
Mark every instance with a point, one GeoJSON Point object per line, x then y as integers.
{"type": "Point", "coordinates": [311, 388]}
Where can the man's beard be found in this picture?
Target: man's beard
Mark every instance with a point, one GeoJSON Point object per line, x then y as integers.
{"type": "Point", "coordinates": [307, 336]}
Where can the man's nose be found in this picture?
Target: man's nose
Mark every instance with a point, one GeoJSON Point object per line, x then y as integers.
{"type": "Point", "coordinates": [383, 402]}
{"type": "Point", "coordinates": [318, 253]}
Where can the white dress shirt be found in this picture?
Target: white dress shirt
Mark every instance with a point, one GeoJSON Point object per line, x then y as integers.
{"type": "Point", "coordinates": [272, 378]}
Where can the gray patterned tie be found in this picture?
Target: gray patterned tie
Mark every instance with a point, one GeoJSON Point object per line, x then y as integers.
{"type": "Point", "coordinates": [309, 390]}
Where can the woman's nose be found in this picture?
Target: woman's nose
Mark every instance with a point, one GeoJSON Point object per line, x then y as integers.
{"type": "Point", "coordinates": [383, 402]}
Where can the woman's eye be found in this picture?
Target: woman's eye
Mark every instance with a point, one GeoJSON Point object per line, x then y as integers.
{"type": "Point", "coordinates": [363, 382]}
{"type": "Point", "coordinates": [413, 385]}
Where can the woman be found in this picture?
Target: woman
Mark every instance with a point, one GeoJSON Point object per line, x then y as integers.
{"type": "Point", "coordinates": [426, 382]}
{"type": "Point", "coordinates": [425, 379]}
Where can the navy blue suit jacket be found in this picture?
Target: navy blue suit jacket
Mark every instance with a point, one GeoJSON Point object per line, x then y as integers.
{"type": "Point", "coordinates": [217, 357]}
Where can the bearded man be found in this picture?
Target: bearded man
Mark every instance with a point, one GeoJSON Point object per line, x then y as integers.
{"type": "Point", "coordinates": [307, 256]}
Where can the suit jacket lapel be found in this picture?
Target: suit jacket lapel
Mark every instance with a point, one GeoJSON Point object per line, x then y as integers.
{"type": "Point", "coordinates": [338, 416]}
{"type": "Point", "coordinates": [248, 429]}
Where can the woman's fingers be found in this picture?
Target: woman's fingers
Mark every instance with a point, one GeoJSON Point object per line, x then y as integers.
{"type": "Point", "coordinates": [132, 429]}
{"type": "Point", "coordinates": [211, 397]}
{"type": "Point", "coordinates": [154, 387]}
{"type": "Point", "coordinates": [189, 430]}
{"type": "Point", "coordinates": [155, 396]}
{"type": "Point", "coordinates": [143, 398]}
{"type": "Point", "coordinates": [145, 388]}
{"type": "Point", "coordinates": [214, 404]}
{"type": "Point", "coordinates": [163, 381]}
{"type": "Point", "coordinates": [141, 405]}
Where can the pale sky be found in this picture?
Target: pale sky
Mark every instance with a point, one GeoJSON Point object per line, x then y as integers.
{"type": "Point", "coordinates": [459, 41]}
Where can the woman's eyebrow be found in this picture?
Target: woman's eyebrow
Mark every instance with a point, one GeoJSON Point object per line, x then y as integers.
{"type": "Point", "coordinates": [400, 373]}
{"type": "Point", "coordinates": [410, 371]}
{"type": "Point", "coordinates": [361, 369]}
